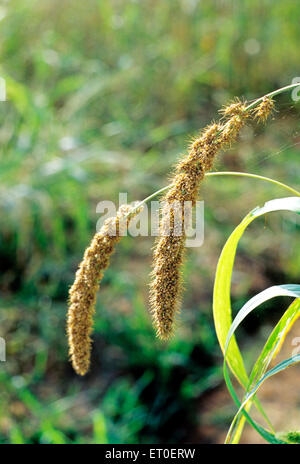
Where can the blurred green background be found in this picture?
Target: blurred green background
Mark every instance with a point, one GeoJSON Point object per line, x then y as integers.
{"type": "Point", "coordinates": [102, 97]}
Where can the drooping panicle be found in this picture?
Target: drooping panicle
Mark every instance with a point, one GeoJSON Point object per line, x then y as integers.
{"type": "Point", "coordinates": [82, 294]}
{"type": "Point", "coordinates": [166, 283]}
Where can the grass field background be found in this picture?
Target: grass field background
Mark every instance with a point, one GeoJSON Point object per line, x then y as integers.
{"type": "Point", "coordinates": [102, 97]}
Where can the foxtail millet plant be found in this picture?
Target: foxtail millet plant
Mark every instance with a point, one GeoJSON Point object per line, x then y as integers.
{"type": "Point", "coordinates": [166, 284]}
{"type": "Point", "coordinates": [168, 256]}
{"type": "Point", "coordinates": [82, 294]}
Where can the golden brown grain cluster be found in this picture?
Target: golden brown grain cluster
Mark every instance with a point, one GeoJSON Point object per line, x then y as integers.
{"type": "Point", "coordinates": [166, 283]}
{"type": "Point", "coordinates": [264, 109]}
{"type": "Point", "coordinates": [233, 108]}
{"type": "Point", "coordinates": [82, 294]}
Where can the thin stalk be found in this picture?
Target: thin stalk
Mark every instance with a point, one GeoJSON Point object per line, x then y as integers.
{"type": "Point", "coordinates": [272, 94]}
{"type": "Point", "coordinates": [222, 173]}
{"type": "Point", "coordinates": [255, 176]}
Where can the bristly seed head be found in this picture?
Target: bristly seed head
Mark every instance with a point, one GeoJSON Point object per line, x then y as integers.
{"type": "Point", "coordinates": [264, 109]}
{"type": "Point", "coordinates": [82, 294]}
{"type": "Point", "coordinates": [166, 283]}
{"type": "Point", "coordinates": [231, 129]}
{"type": "Point", "coordinates": [237, 107]}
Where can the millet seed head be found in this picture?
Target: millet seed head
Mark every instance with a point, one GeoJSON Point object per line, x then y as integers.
{"type": "Point", "coordinates": [168, 256]}
{"type": "Point", "coordinates": [262, 111]}
{"type": "Point", "coordinates": [237, 107]}
{"type": "Point", "coordinates": [82, 294]}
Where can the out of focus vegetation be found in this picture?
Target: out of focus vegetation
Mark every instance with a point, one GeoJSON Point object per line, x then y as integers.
{"type": "Point", "coordinates": [102, 97]}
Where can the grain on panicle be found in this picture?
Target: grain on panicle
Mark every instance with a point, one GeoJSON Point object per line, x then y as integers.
{"type": "Point", "coordinates": [168, 256]}
{"type": "Point", "coordinates": [262, 111]}
{"type": "Point", "coordinates": [233, 108]}
{"type": "Point", "coordinates": [82, 294]}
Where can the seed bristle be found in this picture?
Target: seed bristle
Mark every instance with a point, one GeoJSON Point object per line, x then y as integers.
{"type": "Point", "coordinates": [82, 294]}
{"type": "Point", "coordinates": [264, 109]}
{"type": "Point", "coordinates": [168, 256]}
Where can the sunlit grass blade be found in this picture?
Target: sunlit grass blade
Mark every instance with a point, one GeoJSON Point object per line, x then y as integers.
{"type": "Point", "coordinates": [277, 290]}
{"type": "Point", "coordinates": [271, 349]}
{"type": "Point", "coordinates": [253, 303]}
{"type": "Point", "coordinates": [277, 369]}
{"type": "Point", "coordinates": [275, 341]}
{"type": "Point", "coordinates": [221, 301]}
{"type": "Point", "coordinates": [268, 436]}
{"type": "Point", "coordinates": [222, 285]}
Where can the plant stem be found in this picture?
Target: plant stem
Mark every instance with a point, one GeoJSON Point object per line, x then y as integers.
{"type": "Point", "coordinates": [222, 173]}
{"type": "Point", "coordinates": [273, 94]}
{"type": "Point", "coordinates": [254, 176]}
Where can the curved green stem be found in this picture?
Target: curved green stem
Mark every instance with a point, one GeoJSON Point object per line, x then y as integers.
{"type": "Point", "coordinates": [255, 176]}
{"type": "Point", "coordinates": [272, 94]}
{"type": "Point", "coordinates": [222, 173]}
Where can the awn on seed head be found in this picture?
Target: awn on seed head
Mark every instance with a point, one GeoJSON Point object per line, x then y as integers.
{"type": "Point", "coordinates": [168, 256]}
{"type": "Point", "coordinates": [82, 294]}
